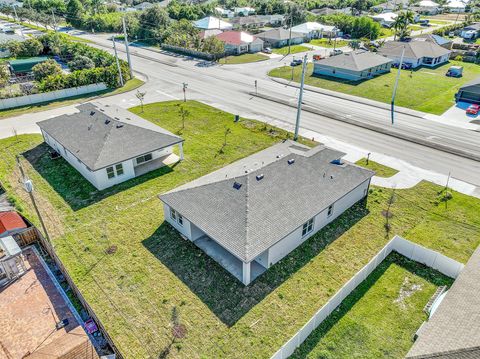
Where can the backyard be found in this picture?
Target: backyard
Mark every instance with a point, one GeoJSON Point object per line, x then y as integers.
{"type": "Point", "coordinates": [424, 89]}
{"type": "Point", "coordinates": [388, 304]}
{"type": "Point", "coordinates": [149, 274]}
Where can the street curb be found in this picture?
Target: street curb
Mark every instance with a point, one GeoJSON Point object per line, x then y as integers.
{"type": "Point", "coordinates": [390, 131]}
{"type": "Point", "coordinates": [383, 106]}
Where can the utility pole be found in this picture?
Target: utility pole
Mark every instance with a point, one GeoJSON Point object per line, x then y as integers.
{"type": "Point", "coordinates": [300, 98]}
{"type": "Point", "coordinates": [118, 62]}
{"type": "Point", "coordinates": [15, 12]}
{"type": "Point", "coordinates": [185, 85]}
{"type": "Point", "coordinates": [396, 85]}
{"type": "Point", "coordinates": [28, 186]}
{"type": "Point", "coordinates": [290, 33]}
{"type": "Point", "coordinates": [54, 22]}
{"type": "Point", "coordinates": [126, 47]}
{"type": "Point", "coordinates": [256, 87]}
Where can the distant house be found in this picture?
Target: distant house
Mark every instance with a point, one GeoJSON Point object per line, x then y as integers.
{"type": "Point", "coordinates": [471, 32]}
{"type": "Point", "coordinates": [252, 213]}
{"type": "Point", "coordinates": [211, 22]}
{"type": "Point", "coordinates": [279, 37]}
{"type": "Point", "coordinates": [244, 11]}
{"type": "Point", "coordinates": [470, 92]}
{"type": "Point", "coordinates": [207, 33]}
{"type": "Point", "coordinates": [109, 145]}
{"type": "Point", "coordinates": [224, 12]}
{"type": "Point", "coordinates": [10, 223]}
{"type": "Point", "coordinates": [353, 66]}
{"type": "Point", "coordinates": [315, 30]}
{"type": "Point", "coordinates": [143, 6]}
{"type": "Point", "coordinates": [417, 53]}
{"type": "Point", "coordinates": [455, 6]}
{"type": "Point", "coordinates": [5, 39]}
{"type": "Point", "coordinates": [390, 6]}
{"type": "Point", "coordinates": [256, 21]}
{"type": "Point", "coordinates": [453, 329]}
{"type": "Point", "coordinates": [427, 7]}
{"type": "Point", "coordinates": [385, 19]}
{"type": "Point", "coordinates": [239, 42]}
{"type": "Point", "coordinates": [440, 41]}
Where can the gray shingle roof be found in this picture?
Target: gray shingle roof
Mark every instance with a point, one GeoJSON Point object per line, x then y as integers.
{"type": "Point", "coordinates": [453, 331]}
{"type": "Point", "coordinates": [101, 136]}
{"type": "Point", "coordinates": [278, 34]}
{"type": "Point", "coordinates": [413, 49]}
{"type": "Point", "coordinates": [249, 220]}
{"type": "Point", "coordinates": [355, 60]}
{"type": "Point", "coordinates": [432, 37]}
{"type": "Point", "coordinates": [473, 85]}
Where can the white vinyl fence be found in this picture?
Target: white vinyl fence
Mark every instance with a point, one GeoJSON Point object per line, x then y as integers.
{"type": "Point", "coordinates": [413, 251]}
{"type": "Point", "coordinates": [50, 96]}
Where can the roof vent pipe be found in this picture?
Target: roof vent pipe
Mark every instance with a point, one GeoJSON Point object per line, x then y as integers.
{"type": "Point", "coordinates": [260, 177]}
{"type": "Point", "coordinates": [291, 161]}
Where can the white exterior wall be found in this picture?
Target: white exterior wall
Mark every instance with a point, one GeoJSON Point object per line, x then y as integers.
{"type": "Point", "coordinates": [294, 239]}
{"type": "Point", "coordinates": [184, 229]}
{"type": "Point", "coordinates": [103, 181]}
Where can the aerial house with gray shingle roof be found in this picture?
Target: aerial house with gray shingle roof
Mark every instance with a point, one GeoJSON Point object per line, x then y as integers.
{"type": "Point", "coordinates": [109, 145]}
{"type": "Point", "coordinates": [252, 213]}
{"type": "Point", "coordinates": [353, 66]}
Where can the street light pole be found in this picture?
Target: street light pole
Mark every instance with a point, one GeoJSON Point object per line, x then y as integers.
{"type": "Point", "coordinates": [290, 33]}
{"type": "Point", "coordinates": [185, 85]}
{"type": "Point", "coordinates": [118, 62]}
{"type": "Point", "coordinates": [126, 47]}
{"type": "Point", "coordinates": [396, 85]}
{"type": "Point", "coordinates": [300, 98]}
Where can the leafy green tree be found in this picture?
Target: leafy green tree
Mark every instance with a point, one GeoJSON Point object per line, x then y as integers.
{"type": "Point", "coordinates": [81, 62]}
{"type": "Point", "coordinates": [74, 12]}
{"type": "Point", "coordinates": [213, 46]}
{"type": "Point", "coordinates": [153, 22]}
{"type": "Point", "coordinates": [4, 75]}
{"type": "Point", "coordinates": [30, 47]}
{"type": "Point", "coordinates": [45, 69]}
{"type": "Point", "coordinates": [401, 23]}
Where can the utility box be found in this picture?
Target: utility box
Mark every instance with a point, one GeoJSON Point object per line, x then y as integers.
{"type": "Point", "coordinates": [455, 71]}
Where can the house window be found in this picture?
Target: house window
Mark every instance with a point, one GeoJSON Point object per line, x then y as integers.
{"type": "Point", "coordinates": [180, 219]}
{"type": "Point", "coordinates": [110, 172]}
{"type": "Point", "coordinates": [307, 227]}
{"type": "Point", "coordinates": [173, 214]}
{"type": "Point", "coordinates": [119, 169]}
{"type": "Point", "coordinates": [144, 158]}
{"type": "Point", "coordinates": [330, 210]}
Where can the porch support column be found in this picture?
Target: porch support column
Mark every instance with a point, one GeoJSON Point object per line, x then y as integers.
{"type": "Point", "coordinates": [180, 148]}
{"type": "Point", "coordinates": [246, 273]}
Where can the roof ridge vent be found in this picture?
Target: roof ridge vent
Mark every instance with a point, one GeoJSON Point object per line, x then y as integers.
{"type": "Point", "coordinates": [92, 113]}
{"type": "Point", "coordinates": [107, 121]}
{"type": "Point", "coordinates": [119, 125]}
{"type": "Point", "coordinates": [237, 185]}
{"type": "Point", "coordinates": [291, 161]}
{"type": "Point", "coordinates": [259, 176]}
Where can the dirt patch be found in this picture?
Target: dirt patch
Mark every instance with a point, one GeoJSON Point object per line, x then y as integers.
{"type": "Point", "coordinates": [406, 291]}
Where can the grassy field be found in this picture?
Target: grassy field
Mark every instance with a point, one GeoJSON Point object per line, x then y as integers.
{"type": "Point", "coordinates": [154, 271]}
{"type": "Point", "coordinates": [378, 318]}
{"type": "Point", "coordinates": [425, 89]}
{"type": "Point", "coordinates": [129, 86]}
{"type": "Point", "coordinates": [242, 59]}
{"type": "Point", "coordinates": [380, 170]}
{"type": "Point", "coordinates": [328, 43]}
{"type": "Point", "coordinates": [294, 49]}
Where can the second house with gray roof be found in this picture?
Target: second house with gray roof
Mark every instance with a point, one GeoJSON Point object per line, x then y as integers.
{"type": "Point", "coordinates": [353, 66]}
{"type": "Point", "coordinates": [109, 145]}
{"type": "Point", "coordinates": [252, 213]}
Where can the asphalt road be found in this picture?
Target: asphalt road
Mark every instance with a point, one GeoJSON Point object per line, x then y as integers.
{"type": "Point", "coordinates": [228, 87]}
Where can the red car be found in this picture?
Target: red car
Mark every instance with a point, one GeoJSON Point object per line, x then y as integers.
{"type": "Point", "coordinates": [473, 109]}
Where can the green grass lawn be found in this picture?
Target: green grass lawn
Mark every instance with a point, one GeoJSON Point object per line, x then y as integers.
{"type": "Point", "coordinates": [380, 170]}
{"type": "Point", "coordinates": [378, 318]}
{"type": "Point", "coordinates": [294, 49]}
{"type": "Point", "coordinates": [154, 270]}
{"type": "Point", "coordinates": [242, 59]}
{"type": "Point", "coordinates": [426, 89]}
{"type": "Point", "coordinates": [129, 86]}
{"type": "Point", "coordinates": [328, 43]}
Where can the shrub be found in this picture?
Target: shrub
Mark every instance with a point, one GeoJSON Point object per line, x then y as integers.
{"type": "Point", "coordinates": [31, 47]}
{"type": "Point", "coordinates": [45, 69]}
{"type": "Point", "coordinates": [81, 62]}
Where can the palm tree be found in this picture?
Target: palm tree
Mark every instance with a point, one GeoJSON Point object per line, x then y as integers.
{"type": "Point", "coordinates": [400, 25]}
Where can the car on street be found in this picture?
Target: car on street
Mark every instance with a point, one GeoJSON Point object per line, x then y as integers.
{"type": "Point", "coordinates": [336, 52]}
{"type": "Point", "coordinates": [296, 62]}
{"type": "Point", "coordinates": [473, 109]}
{"type": "Point", "coordinates": [267, 50]}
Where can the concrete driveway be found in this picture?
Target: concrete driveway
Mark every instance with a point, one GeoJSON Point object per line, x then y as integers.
{"type": "Point", "coordinates": [456, 116]}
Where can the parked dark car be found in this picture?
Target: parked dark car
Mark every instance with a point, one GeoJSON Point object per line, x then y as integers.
{"type": "Point", "coordinates": [296, 62]}
{"type": "Point", "coordinates": [347, 36]}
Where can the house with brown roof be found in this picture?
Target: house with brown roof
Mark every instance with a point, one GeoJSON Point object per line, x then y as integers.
{"type": "Point", "coordinates": [239, 42]}
{"type": "Point", "coordinates": [10, 223]}
{"type": "Point", "coordinates": [416, 53]}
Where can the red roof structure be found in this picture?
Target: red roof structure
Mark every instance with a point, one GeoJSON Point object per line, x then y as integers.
{"type": "Point", "coordinates": [236, 37]}
{"type": "Point", "coordinates": [11, 220]}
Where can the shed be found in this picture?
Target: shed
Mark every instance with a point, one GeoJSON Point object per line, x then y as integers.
{"type": "Point", "coordinates": [25, 65]}
{"type": "Point", "coordinates": [10, 221]}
